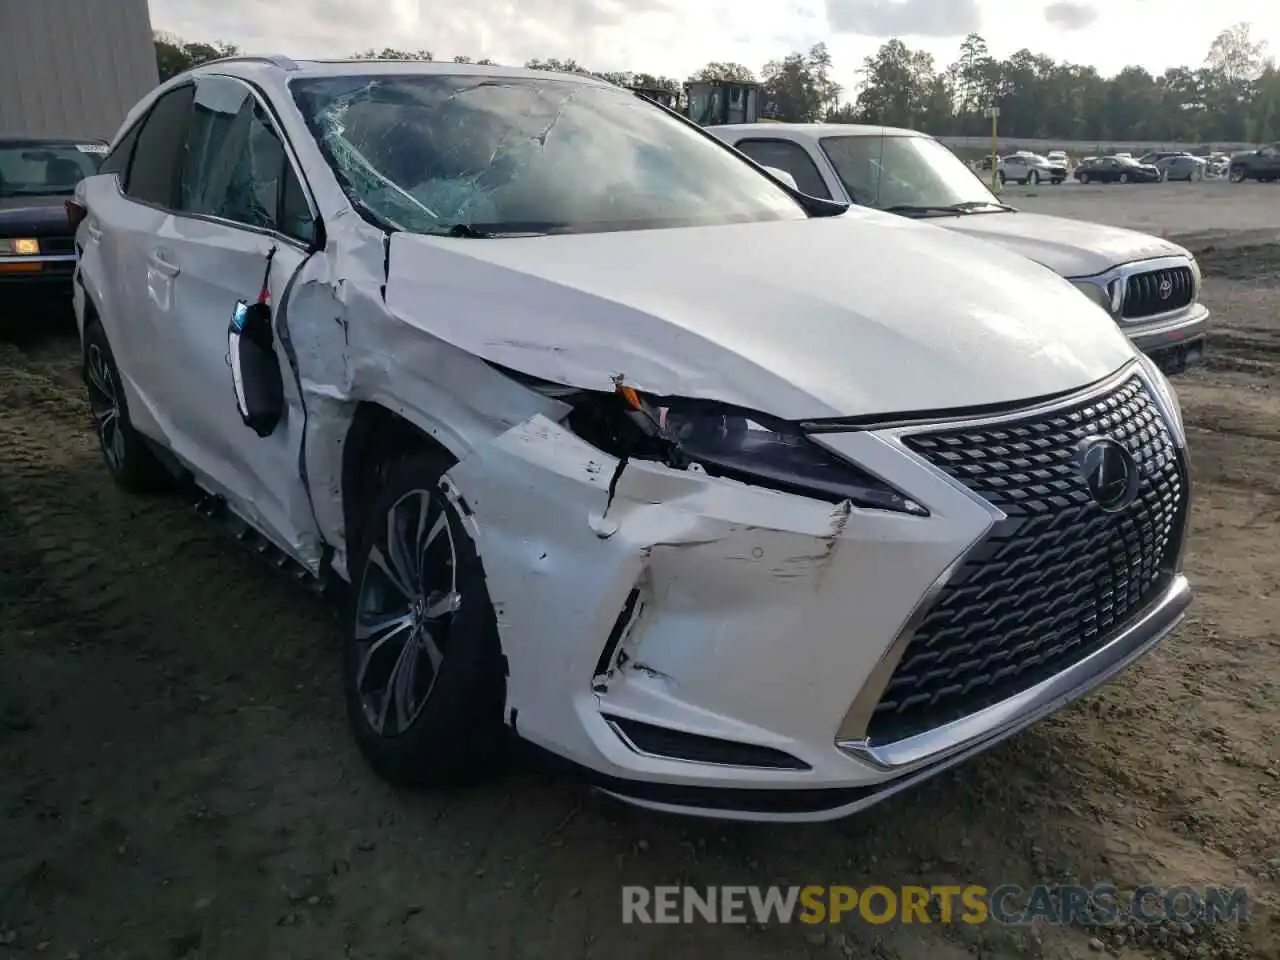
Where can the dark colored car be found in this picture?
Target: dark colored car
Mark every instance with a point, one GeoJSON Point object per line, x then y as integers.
{"type": "Point", "coordinates": [1117, 170]}
{"type": "Point", "coordinates": [37, 245]}
{"type": "Point", "coordinates": [1263, 164]}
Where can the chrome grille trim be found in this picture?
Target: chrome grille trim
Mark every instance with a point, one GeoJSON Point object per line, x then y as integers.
{"type": "Point", "coordinates": [857, 732]}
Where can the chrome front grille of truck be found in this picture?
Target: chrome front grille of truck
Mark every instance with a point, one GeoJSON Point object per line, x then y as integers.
{"type": "Point", "coordinates": [1057, 578]}
{"type": "Point", "coordinates": [1154, 292]}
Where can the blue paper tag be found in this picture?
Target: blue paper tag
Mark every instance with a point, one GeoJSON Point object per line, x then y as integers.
{"type": "Point", "coordinates": [242, 310]}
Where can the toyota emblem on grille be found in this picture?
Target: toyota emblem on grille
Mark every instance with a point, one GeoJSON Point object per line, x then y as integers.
{"type": "Point", "coordinates": [1166, 288]}
{"type": "Point", "coordinates": [1109, 472]}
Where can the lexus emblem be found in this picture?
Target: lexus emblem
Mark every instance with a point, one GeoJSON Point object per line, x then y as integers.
{"type": "Point", "coordinates": [1109, 472]}
{"type": "Point", "coordinates": [1166, 288]}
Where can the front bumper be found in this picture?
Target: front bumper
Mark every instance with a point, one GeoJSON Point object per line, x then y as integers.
{"type": "Point", "coordinates": [1175, 339]}
{"type": "Point", "coordinates": [46, 277]}
{"type": "Point", "coordinates": [756, 629]}
{"type": "Point", "coordinates": [1174, 343]}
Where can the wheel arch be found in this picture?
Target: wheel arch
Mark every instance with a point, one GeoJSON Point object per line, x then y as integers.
{"type": "Point", "coordinates": [375, 437]}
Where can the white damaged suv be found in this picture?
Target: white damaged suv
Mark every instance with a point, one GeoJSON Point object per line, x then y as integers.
{"type": "Point", "coordinates": [1148, 285]}
{"type": "Point", "coordinates": [743, 503]}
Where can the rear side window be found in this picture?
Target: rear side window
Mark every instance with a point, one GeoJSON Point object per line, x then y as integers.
{"type": "Point", "coordinates": [791, 157]}
{"type": "Point", "coordinates": [153, 175]}
{"type": "Point", "coordinates": [117, 161]}
{"type": "Point", "coordinates": [236, 167]}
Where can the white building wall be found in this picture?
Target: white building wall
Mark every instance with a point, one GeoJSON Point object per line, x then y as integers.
{"type": "Point", "coordinates": [73, 67]}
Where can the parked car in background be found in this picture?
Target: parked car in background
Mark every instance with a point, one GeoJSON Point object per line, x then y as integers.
{"type": "Point", "coordinates": [1217, 164]}
{"type": "Point", "coordinates": [1182, 166]}
{"type": "Point", "coordinates": [1156, 156]}
{"type": "Point", "coordinates": [746, 543]}
{"type": "Point", "coordinates": [1058, 158]}
{"type": "Point", "coordinates": [1262, 164]}
{"type": "Point", "coordinates": [1031, 168]}
{"type": "Point", "coordinates": [37, 249]}
{"type": "Point", "coordinates": [1117, 169]}
{"type": "Point", "coordinates": [1149, 286]}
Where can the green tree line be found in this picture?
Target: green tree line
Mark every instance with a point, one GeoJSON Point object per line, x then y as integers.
{"type": "Point", "coordinates": [1233, 96]}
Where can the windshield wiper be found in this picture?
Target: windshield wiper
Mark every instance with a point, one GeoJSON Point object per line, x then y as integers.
{"type": "Point", "coordinates": [948, 209]}
{"type": "Point", "coordinates": [470, 232]}
{"type": "Point", "coordinates": [971, 205]}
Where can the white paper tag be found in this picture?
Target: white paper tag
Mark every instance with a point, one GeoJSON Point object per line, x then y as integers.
{"type": "Point", "coordinates": [91, 147]}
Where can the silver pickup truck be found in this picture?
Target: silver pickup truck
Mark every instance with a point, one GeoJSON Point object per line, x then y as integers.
{"type": "Point", "coordinates": [1148, 285]}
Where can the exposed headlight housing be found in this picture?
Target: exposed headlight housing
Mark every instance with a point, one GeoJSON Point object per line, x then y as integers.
{"type": "Point", "coordinates": [1104, 294]}
{"type": "Point", "coordinates": [19, 247]}
{"type": "Point", "coordinates": [729, 442]}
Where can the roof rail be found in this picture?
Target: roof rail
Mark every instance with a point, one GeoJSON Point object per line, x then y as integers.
{"type": "Point", "coordinates": [275, 59]}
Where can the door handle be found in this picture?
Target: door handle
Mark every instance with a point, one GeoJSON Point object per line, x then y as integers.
{"type": "Point", "coordinates": [163, 265]}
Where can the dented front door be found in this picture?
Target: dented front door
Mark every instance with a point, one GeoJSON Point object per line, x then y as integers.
{"type": "Point", "coordinates": [237, 239]}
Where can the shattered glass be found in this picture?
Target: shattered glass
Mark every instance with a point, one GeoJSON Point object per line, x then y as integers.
{"type": "Point", "coordinates": [430, 153]}
{"type": "Point", "coordinates": [234, 161]}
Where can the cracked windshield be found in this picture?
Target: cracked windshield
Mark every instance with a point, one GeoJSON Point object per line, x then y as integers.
{"type": "Point", "coordinates": [441, 154]}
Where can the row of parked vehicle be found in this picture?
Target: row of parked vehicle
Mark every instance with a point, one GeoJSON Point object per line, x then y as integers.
{"type": "Point", "coordinates": [753, 471]}
{"type": "Point", "coordinates": [1026, 167]}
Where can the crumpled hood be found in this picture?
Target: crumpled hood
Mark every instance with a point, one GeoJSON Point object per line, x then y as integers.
{"type": "Point", "coordinates": [1071, 248]}
{"type": "Point", "coordinates": [859, 314]}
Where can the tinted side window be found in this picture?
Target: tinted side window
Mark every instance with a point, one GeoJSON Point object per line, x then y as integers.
{"type": "Point", "coordinates": [153, 174]}
{"type": "Point", "coordinates": [236, 167]}
{"type": "Point", "coordinates": [117, 160]}
{"type": "Point", "coordinates": [790, 157]}
{"type": "Point", "coordinates": [295, 216]}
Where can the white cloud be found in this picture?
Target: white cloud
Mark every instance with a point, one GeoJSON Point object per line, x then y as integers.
{"type": "Point", "coordinates": [905, 18]}
{"type": "Point", "coordinates": [675, 37]}
{"type": "Point", "coordinates": [1070, 15]}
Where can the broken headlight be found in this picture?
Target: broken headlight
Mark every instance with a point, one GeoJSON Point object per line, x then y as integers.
{"type": "Point", "coordinates": [729, 442]}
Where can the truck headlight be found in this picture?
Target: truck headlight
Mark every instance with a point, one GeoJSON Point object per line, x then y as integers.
{"type": "Point", "coordinates": [19, 246]}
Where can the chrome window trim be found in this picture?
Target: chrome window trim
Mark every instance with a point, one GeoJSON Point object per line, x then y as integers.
{"type": "Point", "coordinates": [1114, 282]}
{"type": "Point", "coordinates": [1138, 636]}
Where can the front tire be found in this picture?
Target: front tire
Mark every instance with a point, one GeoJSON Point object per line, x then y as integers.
{"type": "Point", "coordinates": [131, 463]}
{"type": "Point", "coordinates": [1033, 178]}
{"type": "Point", "coordinates": [1082, 177]}
{"type": "Point", "coordinates": [424, 675]}
{"type": "Point", "coordinates": [1238, 175]}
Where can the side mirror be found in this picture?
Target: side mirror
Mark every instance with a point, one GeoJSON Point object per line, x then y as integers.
{"type": "Point", "coordinates": [782, 175]}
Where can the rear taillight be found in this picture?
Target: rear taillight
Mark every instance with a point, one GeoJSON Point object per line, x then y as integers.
{"type": "Point", "coordinates": [76, 212]}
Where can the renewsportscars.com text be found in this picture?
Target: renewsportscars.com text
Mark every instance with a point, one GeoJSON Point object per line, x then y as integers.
{"type": "Point", "coordinates": [1007, 904]}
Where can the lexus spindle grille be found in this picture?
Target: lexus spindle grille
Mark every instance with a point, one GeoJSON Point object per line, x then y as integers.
{"type": "Point", "coordinates": [1055, 580]}
{"type": "Point", "coordinates": [1157, 291]}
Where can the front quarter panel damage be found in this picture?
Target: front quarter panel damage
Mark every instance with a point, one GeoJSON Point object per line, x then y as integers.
{"type": "Point", "coordinates": [350, 347]}
{"type": "Point", "coordinates": [752, 601]}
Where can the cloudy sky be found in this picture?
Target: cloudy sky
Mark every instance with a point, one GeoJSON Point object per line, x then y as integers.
{"type": "Point", "coordinates": [675, 37]}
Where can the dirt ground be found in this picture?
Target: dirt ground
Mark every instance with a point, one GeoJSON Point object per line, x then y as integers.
{"type": "Point", "coordinates": [176, 778]}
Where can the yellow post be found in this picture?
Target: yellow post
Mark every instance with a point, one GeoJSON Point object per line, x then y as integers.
{"type": "Point", "coordinates": [994, 111]}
